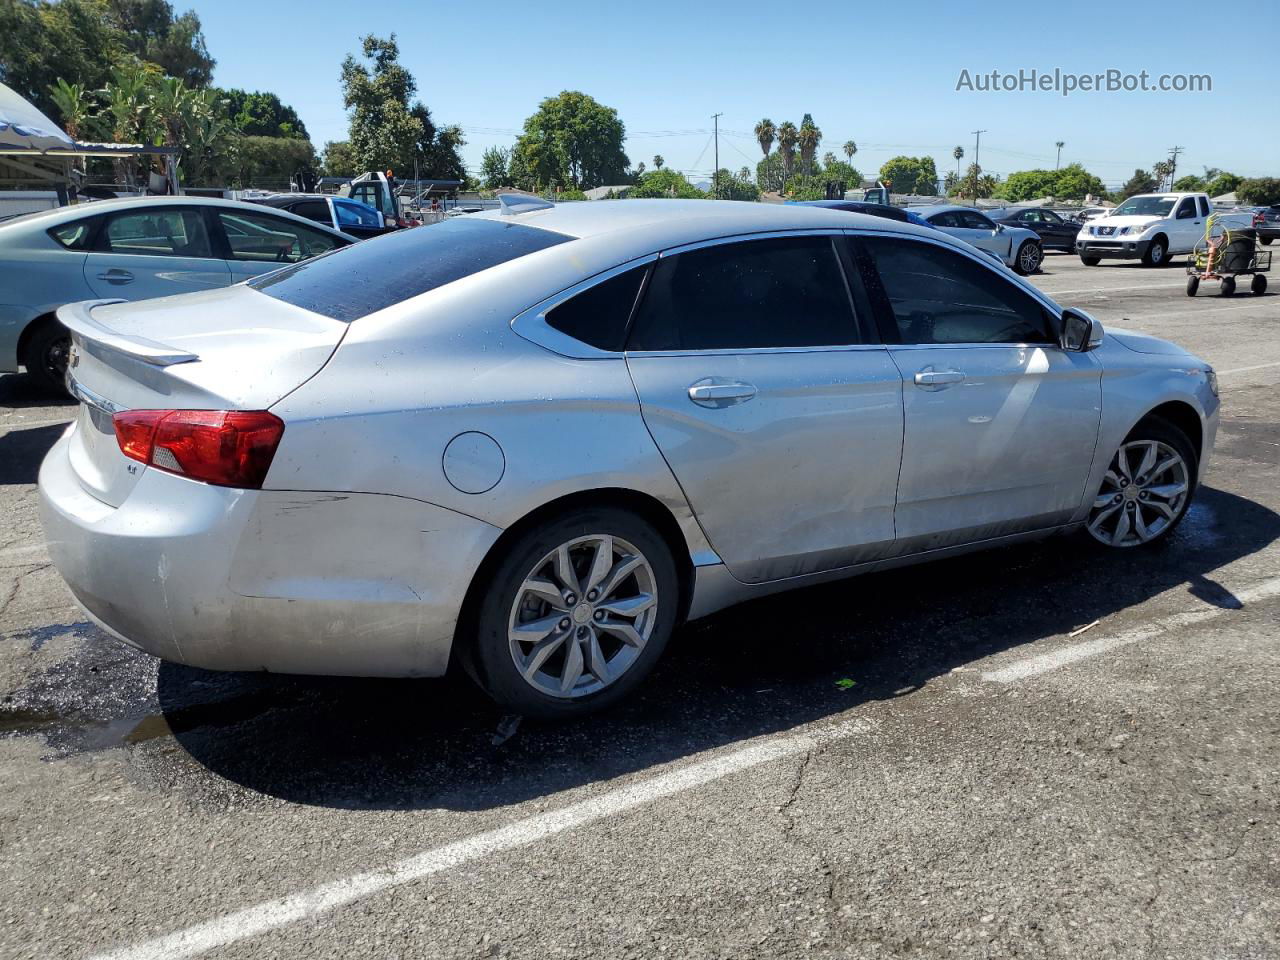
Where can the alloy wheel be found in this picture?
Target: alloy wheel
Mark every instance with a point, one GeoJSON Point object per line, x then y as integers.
{"type": "Point", "coordinates": [582, 616]}
{"type": "Point", "coordinates": [1029, 257]}
{"type": "Point", "coordinates": [1143, 494]}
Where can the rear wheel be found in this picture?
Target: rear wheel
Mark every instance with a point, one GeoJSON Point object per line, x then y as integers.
{"type": "Point", "coordinates": [1193, 284]}
{"type": "Point", "coordinates": [1258, 285]}
{"type": "Point", "coordinates": [46, 355]}
{"type": "Point", "coordinates": [1157, 254]}
{"type": "Point", "coordinates": [576, 614]}
{"type": "Point", "coordinates": [1265, 241]}
{"type": "Point", "coordinates": [1030, 256]}
{"type": "Point", "coordinates": [1147, 488]}
{"type": "Point", "coordinates": [1228, 286]}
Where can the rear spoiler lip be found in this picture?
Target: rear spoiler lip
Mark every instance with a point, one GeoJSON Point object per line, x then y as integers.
{"type": "Point", "coordinates": [78, 318]}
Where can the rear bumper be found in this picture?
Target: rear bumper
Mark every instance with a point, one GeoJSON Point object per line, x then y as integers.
{"type": "Point", "coordinates": [318, 583]}
{"type": "Point", "coordinates": [1118, 249]}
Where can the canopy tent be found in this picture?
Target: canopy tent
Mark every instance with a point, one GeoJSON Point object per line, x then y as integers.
{"type": "Point", "coordinates": [24, 129]}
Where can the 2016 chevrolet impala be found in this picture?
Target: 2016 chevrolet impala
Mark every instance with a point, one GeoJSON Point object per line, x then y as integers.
{"type": "Point", "coordinates": [537, 439]}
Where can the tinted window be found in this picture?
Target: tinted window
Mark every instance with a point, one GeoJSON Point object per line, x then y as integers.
{"type": "Point", "coordinates": [935, 295]}
{"type": "Point", "coordinates": [1048, 216]}
{"type": "Point", "coordinates": [74, 236]}
{"type": "Point", "coordinates": [787, 292]}
{"type": "Point", "coordinates": [1204, 206]}
{"type": "Point", "coordinates": [261, 237]}
{"type": "Point", "coordinates": [599, 314]}
{"type": "Point", "coordinates": [945, 220]}
{"type": "Point", "coordinates": [371, 276]}
{"type": "Point", "coordinates": [157, 233]}
{"type": "Point", "coordinates": [1187, 208]}
{"type": "Point", "coordinates": [317, 210]}
{"type": "Point", "coordinates": [974, 221]}
{"type": "Point", "coordinates": [356, 215]}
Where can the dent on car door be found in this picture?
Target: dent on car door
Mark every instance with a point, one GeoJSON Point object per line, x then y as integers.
{"type": "Point", "coordinates": [781, 423]}
{"type": "Point", "coordinates": [153, 252]}
{"type": "Point", "coordinates": [1000, 423]}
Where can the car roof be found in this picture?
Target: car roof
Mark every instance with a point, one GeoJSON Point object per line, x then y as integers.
{"type": "Point", "coordinates": [943, 208]}
{"type": "Point", "coordinates": [60, 215]}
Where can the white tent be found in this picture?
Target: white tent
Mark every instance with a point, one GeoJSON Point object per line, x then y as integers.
{"type": "Point", "coordinates": [24, 129]}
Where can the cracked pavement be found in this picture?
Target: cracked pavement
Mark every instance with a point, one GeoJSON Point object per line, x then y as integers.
{"type": "Point", "coordinates": [1126, 805]}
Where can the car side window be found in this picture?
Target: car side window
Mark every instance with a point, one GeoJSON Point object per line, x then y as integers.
{"type": "Point", "coordinates": [770, 293]}
{"type": "Point", "coordinates": [356, 215]}
{"type": "Point", "coordinates": [935, 295]}
{"type": "Point", "coordinates": [262, 237]}
{"type": "Point", "coordinates": [1030, 216]}
{"type": "Point", "coordinates": [1048, 216]}
{"type": "Point", "coordinates": [945, 220]}
{"type": "Point", "coordinates": [975, 221]}
{"type": "Point", "coordinates": [156, 233]}
{"type": "Point", "coordinates": [317, 210]}
{"type": "Point", "coordinates": [599, 315]}
{"type": "Point", "coordinates": [74, 235]}
{"type": "Point", "coordinates": [1187, 208]}
{"type": "Point", "coordinates": [1204, 206]}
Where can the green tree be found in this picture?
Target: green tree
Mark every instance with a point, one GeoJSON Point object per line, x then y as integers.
{"type": "Point", "coordinates": [850, 148]}
{"type": "Point", "coordinates": [340, 160]}
{"type": "Point", "coordinates": [665, 183]}
{"type": "Point", "coordinates": [1223, 182]}
{"type": "Point", "coordinates": [75, 105]}
{"type": "Point", "coordinates": [810, 137]}
{"type": "Point", "coordinates": [149, 29]}
{"type": "Point", "coordinates": [1141, 182]}
{"type": "Point", "coordinates": [1259, 191]}
{"type": "Point", "coordinates": [261, 114]}
{"type": "Point", "coordinates": [975, 184]}
{"type": "Point", "coordinates": [1071, 182]}
{"type": "Point", "coordinates": [573, 139]}
{"type": "Point", "coordinates": [1161, 170]}
{"type": "Point", "coordinates": [726, 185]}
{"type": "Point", "coordinates": [1189, 183]}
{"type": "Point", "coordinates": [493, 167]}
{"type": "Point", "coordinates": [266, 161]}
{"type": "Point", "coordinates": [769, 173]}
{"type": "Point", "coordinates": [909, 175]}
{"type": "Point", "coordinates": [765, 134]}
{"type": "Point", "coordinates": [958, 153]}
{"type": "Point", "coordinates": [658, 161]}
{"type": "Point", "coordinates": [788, 137]}
{"type": "Point", "coordinates": [389, 129]}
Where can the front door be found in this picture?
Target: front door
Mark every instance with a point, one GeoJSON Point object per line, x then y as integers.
{"type": "Point", "coordinates": [782, 424]}
{"type": "Point", "coordinates": [1187, 226]}
{"type": "Point", "coordinates": [1000, 422]}
{"type": "Point", "coordinates": [153, 252]}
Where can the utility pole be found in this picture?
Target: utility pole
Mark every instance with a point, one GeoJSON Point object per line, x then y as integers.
{"type": "Point", "coordinates": [977, 139]}
{"type": "Point", "coordinates": [1173, 163]}
{"type": "Point", "coordinates": [715, 181]}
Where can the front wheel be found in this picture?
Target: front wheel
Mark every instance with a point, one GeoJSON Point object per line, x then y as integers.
{"type": "Point", "coordinates": [1147, 488]}
{"type": "Point", "coordinates": [1030, 256]}
{"type": "Point", "coordinates": [1157, 253]}
{"type": "Point", "coordinates": [1228, 286]}
{"type": "Point", "coordinates": [1258, 284]}
{"type": "Point", "coordinates": [1090, 261]}
{"type": "Point", "coordinates": [576, 614]}
{"type": "Point", "coordinates": [1193, 284]}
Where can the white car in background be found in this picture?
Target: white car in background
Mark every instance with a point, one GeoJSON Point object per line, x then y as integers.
{"type": "Point", "coordinates": [1151, 227]}
{"type": "Point", "coordinates": [1017, 247]}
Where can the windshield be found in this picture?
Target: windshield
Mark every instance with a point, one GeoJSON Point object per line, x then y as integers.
{"type": "Point", "coordinates": [367, 277]}
{"type": "Point", "coordinates": [1145, 207]}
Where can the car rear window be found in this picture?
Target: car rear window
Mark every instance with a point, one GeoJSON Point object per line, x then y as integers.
{"type": "Point", "coordinates": [367, 277]}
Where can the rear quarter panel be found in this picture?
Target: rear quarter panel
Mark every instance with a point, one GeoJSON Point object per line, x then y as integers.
{"type": "Point", "coordinates": [38, 277]}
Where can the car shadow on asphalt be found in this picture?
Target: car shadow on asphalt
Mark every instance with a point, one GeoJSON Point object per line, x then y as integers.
{"type": "Point", "coordinates": [20, 390]}
{"type": "Point", "coordinates": [22, 450]}
{"type": "Point", "coordinates": [758, 669]}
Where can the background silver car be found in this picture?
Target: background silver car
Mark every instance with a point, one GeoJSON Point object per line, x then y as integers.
{"type": "Point", "coordinates": [1018, 247]}
{"type": "Point", "coordinates": [132, 249]}
{"type": "Point", "coordinates": [537, 440]}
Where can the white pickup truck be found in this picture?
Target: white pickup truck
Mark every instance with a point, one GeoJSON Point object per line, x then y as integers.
{"type": "Point", "coordinates": [1151, 227]}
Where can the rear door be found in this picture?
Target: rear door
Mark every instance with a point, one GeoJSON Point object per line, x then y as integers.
{"type": "Point", "coordinates": [258, 242]}
{"type": "Point", "coordinates": [1000, 422]}
{"type": "Point", "coordinates": [780, 417]}
{"type": "Point", "coordinates": [153, 251]}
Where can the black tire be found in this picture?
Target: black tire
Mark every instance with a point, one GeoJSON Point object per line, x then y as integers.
{"type": "Point", "coordinates": [1228, 286]}
{"type": "Point", "coordinates": [1258, 285]}
{"type": "Point", "coordinates": [1160, 429]}
{"type": "Point", "coordinates": [1193, 284]}
{"type": "Point", "coordinates": [1090, 261]}
{"type": "Point", "coordinates": [489, 656]}
{"type": "Point", "coordinates": [1157, 253]}
{"type": "Point", "coordinates": [46, 355]}
{"type": "Point", "coordinates": [1266, 241]}
{"type": "Point", "coordinates": [1030, 257]}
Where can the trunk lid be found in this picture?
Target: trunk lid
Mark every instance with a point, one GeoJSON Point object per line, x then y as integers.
{"type": "Point", "coordinates": [227, 349]}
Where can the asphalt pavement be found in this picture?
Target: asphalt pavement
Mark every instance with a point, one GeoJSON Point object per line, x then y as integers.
{"type": "Point", "coordinates": [1042, 751]}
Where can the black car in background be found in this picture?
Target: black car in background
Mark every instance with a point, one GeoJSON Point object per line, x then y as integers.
{"type": "Point", "coordinates": [352, 217]}
{"type": "Point", "coordinates": [1269, 227]}
{"type": "Point", "coordinates": [1054, 232]}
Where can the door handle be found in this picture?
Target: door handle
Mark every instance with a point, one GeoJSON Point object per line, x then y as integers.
{"type": "Point", "coordinates": [116, 276]}
{"type": "Point", "coordinates": [714, 392]}
{"type": "Point", "coordinates": [929, 377]}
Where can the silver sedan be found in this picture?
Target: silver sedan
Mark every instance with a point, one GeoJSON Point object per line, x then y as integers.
{"type": "Point", "coordinates": [538, 439]}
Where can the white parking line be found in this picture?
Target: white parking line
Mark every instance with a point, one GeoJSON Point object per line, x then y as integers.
{"type": "Point", "coordinates": [1134, 286]}
{"type": "Point", "coordinates": [273, 914]}
{"type": "Point", "coordinates": [1034, 666]}
{"type": "Point", "coordinates": [259, 919]}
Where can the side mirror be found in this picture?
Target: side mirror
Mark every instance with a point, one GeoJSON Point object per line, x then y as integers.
{"type": "Point", "coordinates": [999, 228]}
{"type": "Point", "coordinates": [1080, 332]}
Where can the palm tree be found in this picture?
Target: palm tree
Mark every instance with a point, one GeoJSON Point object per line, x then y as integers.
{"type": "Point", "coordinates": [828, 158]}
{"type": "Point", "coordinates": [658, 161]}
{"type": "Point", "coordinates": [850, 148]}
{"type": "Point", "coordinates": [1059, 144]}
{"type": "Point", "coordinates": [810, 137]}
{"type": "Point", "coordinates": [72, 101]}
{"type": "Point", "coordinates": [958, 153]}
{"type": "Point", "coordinates": [765, 133]}
{"type": "Point", "coordinates": [788, 137]}
{"type": "Point", "coordinates": [745, 175]}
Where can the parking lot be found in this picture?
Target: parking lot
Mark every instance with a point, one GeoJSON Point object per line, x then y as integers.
{"type": "Point", "coordinates": [1040, 751]}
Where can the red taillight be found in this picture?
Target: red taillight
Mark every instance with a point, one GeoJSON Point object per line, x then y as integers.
{"type": "Point", "coordinates": [232, 448]}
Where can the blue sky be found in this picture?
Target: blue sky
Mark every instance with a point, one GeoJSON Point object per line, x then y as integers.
{"type": "Point", "coordinates": [887, 83]}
